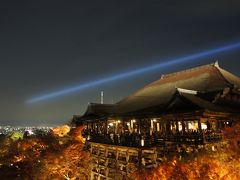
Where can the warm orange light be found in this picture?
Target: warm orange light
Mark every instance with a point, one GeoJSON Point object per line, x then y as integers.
{"type": "Point", "coordinates": [61, 130]}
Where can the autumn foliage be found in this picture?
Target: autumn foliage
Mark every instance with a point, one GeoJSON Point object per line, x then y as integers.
{"type": "Point", "coordinates": [61, 154]}
{"type": "Point", "coordinates": [58, 155]}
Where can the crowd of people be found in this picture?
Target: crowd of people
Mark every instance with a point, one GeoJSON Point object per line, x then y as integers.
{"type": "Point", "coordinates": [135, 139]}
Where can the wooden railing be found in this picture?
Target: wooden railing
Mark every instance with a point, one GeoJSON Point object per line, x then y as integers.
{"type": "Point", "coordinates": [136, 140]}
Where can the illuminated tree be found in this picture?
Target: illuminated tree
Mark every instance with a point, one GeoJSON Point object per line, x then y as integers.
{"type": "Point", "coordinates": [59, 154]}
{"type": "Point", "coordinates": [72, 162]}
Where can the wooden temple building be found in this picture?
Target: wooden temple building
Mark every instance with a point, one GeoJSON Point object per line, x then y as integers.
{"type": "Point", "coordinates": [181, 112]}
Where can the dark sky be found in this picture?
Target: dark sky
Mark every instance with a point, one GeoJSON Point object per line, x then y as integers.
{"type": "Point", "coordinates": [49, 45]}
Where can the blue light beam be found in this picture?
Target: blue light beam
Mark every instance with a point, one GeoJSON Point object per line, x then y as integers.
{"type": "Point", "coordinates": [166, 63]}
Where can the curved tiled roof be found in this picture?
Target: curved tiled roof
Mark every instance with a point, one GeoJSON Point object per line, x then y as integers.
{"type": "Point", "coordinates": [157, 95]}
{"type": "Point", "coordinates": [208, 78]}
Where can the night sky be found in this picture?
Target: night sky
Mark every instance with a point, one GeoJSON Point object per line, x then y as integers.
{"type": "Point", "coordinates": [50, 45]}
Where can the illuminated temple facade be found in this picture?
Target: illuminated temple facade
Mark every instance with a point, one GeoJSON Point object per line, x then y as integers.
{"type": "Point", "coordinates": [187, 108]}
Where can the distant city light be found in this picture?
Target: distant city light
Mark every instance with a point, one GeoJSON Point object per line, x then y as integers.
{"type": "Point", "coordinates": [166, 63]}
{"type": "Point", "coordinates": [30, 132]}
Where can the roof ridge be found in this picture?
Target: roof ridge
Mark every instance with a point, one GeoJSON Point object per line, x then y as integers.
{"type": "Point", "coordinates": [188, 70]}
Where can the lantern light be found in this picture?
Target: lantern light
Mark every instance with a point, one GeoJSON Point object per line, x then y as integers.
{"type": "Point", "coordinates": [142, 142]}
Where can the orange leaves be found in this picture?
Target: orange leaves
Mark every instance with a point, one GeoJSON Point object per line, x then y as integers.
{"type": "Point", "coordinates": [19, 158]}
{"type": "Point", "coordinates": [77, 134]}
{"type": "Point", "coordinates": [71, 161]}
{"type": "Point", "coordinates": [202, 168]}
{"type": "Point", "coordinates": [48, 156]}
{"type": "Point", "coordinates": [61, 131]}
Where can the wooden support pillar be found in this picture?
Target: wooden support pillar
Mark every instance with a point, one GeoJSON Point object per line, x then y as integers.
{"type": "Point", "coordinates": [186, 126]}
{"type": "Point", "coordinates": [92, 126]}
{"type": "Point", "coordinates": [183, 127]}
{"type": "Point", "coordinates": [164, 127]}
{"type": "Point", "coordinates": [168, 125]}
{"type": "Point", "coordinates": [115, 127]}
{"type": "Point", "coordinates": [123, 125]}
{"type": "Point", "coordinates": [97, 124]}
{"type": "Point", "coordinates": [140, 126]}
{"type": "Point", "coordinates": [208, 125]}
{"type": "Point", "coordinates": [177, 126]}
{"type": "Point", "coordinates": [199, 125]}
{"type": "Point", "coordinates": [219, 124]}
{"type": "Point", "coordinates": [155, 156]}
{"type": "Point", "coordinates": [140, 158]}
{"type": "Point", "coordinates": [162, 130]}
{"type": "Point", "coordinates": [106, 126]}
